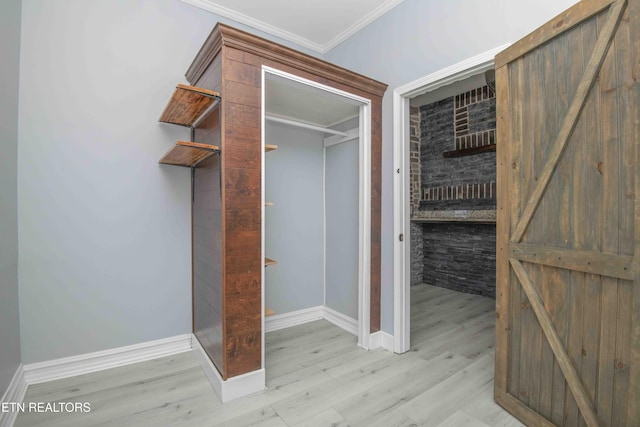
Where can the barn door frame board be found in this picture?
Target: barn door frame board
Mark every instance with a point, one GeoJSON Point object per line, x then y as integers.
{"type": "Point", "coordinates": [401, 213]}
{"type": "Point", "coordinates": [364, 200]}
{"type": "Point", "coordinates": [516, 258]}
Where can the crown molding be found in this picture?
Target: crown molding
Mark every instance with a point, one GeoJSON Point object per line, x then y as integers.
{"type": "Point", "coordinates": [225, 35]}
{"type": "Point", "coordinates": [211, 6]}
{"type": "Point", "coordinates": [360, 24]}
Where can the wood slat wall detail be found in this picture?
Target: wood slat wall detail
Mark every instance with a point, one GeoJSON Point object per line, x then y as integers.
{"type": "Point", "coordinates": [230, 62]}
{"type": "Point", "coordinates": [568, 282]}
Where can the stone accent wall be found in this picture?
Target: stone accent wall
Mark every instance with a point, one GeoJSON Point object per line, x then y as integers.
{"type": "Point", "coordinates": [455, 255]}
{"type": "Point", "coordinates": [458, 256]}
{"type": "Point", "coordinates": [458, 183]}
{"type": "Point", "coordinates": [414, 160]}
{"type": "Point", "coordinates": [417, 254]}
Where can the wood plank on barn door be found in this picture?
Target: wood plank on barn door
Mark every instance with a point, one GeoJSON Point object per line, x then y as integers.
{"type": "Point", "coordinates": [574, 272]}
{"type": "Point", "coordinates": [631, 100]}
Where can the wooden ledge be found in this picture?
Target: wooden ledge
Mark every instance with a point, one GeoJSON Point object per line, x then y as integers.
{"type": "Point", "coordinates": [188, 154]}
{"type": "Point", "coordinates": [188, 104]}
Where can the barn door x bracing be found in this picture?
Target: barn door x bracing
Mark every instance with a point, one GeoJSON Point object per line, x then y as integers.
{"type": "Point", "coordinates": [568, 303]}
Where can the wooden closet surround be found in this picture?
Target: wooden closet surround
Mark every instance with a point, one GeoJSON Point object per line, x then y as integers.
{"type": "Point", "coordinates": [230, 63]}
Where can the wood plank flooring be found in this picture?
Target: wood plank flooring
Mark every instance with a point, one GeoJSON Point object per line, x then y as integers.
{"type": "Point", "coordinates": [316, 376]}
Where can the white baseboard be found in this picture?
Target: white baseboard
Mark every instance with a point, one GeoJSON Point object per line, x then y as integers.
{"type": "Point", "coordinates": [381, 339]}
{"type": "Point", "coordinates": [14, 394]}
{"type": "Point", "coordinates": [300, 317]}
{"type": "Point", "coordinates": [341, 320]}
{"type": "Point", "coordinates": [293, 318]}
{"type": "Point", "coordinates": [35, 373]}
{"type": "Point", "coordinates": [233, 388]}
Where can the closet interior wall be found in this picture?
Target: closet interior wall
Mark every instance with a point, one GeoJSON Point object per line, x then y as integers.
{"type": "Point", "coordinates": [312, 227]}
{"type": "Point", "coordinates": [294, 224]}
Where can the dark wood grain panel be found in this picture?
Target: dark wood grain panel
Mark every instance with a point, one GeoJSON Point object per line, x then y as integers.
{"type": "Point", "coordinates": [234, 54]}
{"type": "Point", "coordinates": [376, 213]}
{"type": "Point", "coordinates": [242, 179]}
{"type": "Point", "coordinates": [242, 350]}
{"type": "Point", "coordinates": [241, 115]}
{"type": "Point", "coordinates": [210, 123]}
{"type": "Point", "coordinates": [243, 220]}
{"type": "Point", "coordinates": [243, 242]}
{"type": "Point", "coordinates": [207, 260]}
{"type": "Point", "coordinates": [241, 155]}
{"type": "Point", "coordinates": [241, 72]}
{"type": "Point", "coordinates": [244, 282]}
{"type": "Point", "coordinates": [240, 93]}
{"type": "Point", "coordinates": [243, 189]}
{"type": "Point", "coordinates": [212, 77]}
{"type": "Point", "coordinates": [244, 313]}
{"type": "Point", "coordinates": [248, 137]}
{"type": "Point", "coordinates": [242, 264]}
{"type": "Point", "coordinates": [242, 199]}
{"type": "Point", "coordinates": [243, 195]}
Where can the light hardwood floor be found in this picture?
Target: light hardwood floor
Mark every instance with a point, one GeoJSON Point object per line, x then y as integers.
{"type": "Point", "coordinates": [316, 376]}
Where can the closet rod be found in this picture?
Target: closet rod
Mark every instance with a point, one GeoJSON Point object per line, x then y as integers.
{"type": "Point", "coordinates": [304, 125]}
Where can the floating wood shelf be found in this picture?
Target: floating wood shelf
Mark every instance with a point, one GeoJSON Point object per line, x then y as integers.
{"type": "Point", "coordinates": [188, 154]}
{"type": "Point", "coordinates": [188, 104]}
{"type": "Point", "coordinates": [270, 147]}
{"type": "Point", "coordinates": [268, 203]}
{"type": "Point", "coordinates": [469, 151]}
{"type": "Point", "coordinates": [269, 261]}
{"type": "Point", "coordinates": [268, 312]}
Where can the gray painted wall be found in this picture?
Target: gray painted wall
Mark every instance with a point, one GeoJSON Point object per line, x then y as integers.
{"type": "Point", "coordinates": [9, 78]}
{"type": "Point", "coordinates": [342, 228]}
{"type": "Point", "coordinates": [415, 39]}
{"type": "Point", "coordinates": [104, 250]}
{"type": "Point", "coordinates": [294, 225]}
{"type": "Point", "coordinates": [104, 233]}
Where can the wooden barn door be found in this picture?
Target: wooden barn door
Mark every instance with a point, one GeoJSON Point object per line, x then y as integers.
{"type": "Point", "coordinates": [568, 297]}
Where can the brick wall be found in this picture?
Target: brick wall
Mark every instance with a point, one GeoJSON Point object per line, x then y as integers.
{"type": "Point", "coordinates": [414, 161]}
{"type": "Point", "coordinates": [417, 254]}
{"type": "Point", "coordinates": [467, 182]}
{"type": "Point", "coordinates": [455, 255]}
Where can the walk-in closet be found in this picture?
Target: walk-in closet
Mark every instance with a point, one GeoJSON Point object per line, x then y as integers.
{"type": "Point", "coordinates": [285, 153]}
{"type": "Point", "coordinates": [312, 204]}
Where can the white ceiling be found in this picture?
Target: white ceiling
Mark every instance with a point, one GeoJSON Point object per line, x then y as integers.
{"type": "Point", "coordinates": [319, 25]}
{"type": "Point", "coordinates": [292, 100]}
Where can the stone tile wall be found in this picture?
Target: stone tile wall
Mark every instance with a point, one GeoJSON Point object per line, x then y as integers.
{"type": "Point", "coordinates": [455, 255]}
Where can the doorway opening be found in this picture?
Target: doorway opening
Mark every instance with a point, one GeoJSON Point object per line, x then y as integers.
{"type": "Point", "coordinates": [444, 135]}
{"type": "Point", "coordinates": [316, 188]}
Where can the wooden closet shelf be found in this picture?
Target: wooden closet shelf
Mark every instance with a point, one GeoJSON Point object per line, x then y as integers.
{"type": "Point", "coordinates": [269, 261]}
{"type": "Point", "coordinates": [188, 154]}
{"type": "Point", "coordinates": [268, 312]}
{"type": "Point", "coordinates": [270, 147]}
{"type": "Point", "coordinates": [188, 104]}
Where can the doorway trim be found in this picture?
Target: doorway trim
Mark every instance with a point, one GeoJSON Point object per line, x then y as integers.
{"type": "Point", "coordinates": [364, 200]}
{"type": "Point", "coordinates": [401, 212]}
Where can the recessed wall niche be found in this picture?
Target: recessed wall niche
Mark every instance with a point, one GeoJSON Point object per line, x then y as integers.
{"type": "Point", "coordinates": [453, 191]}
